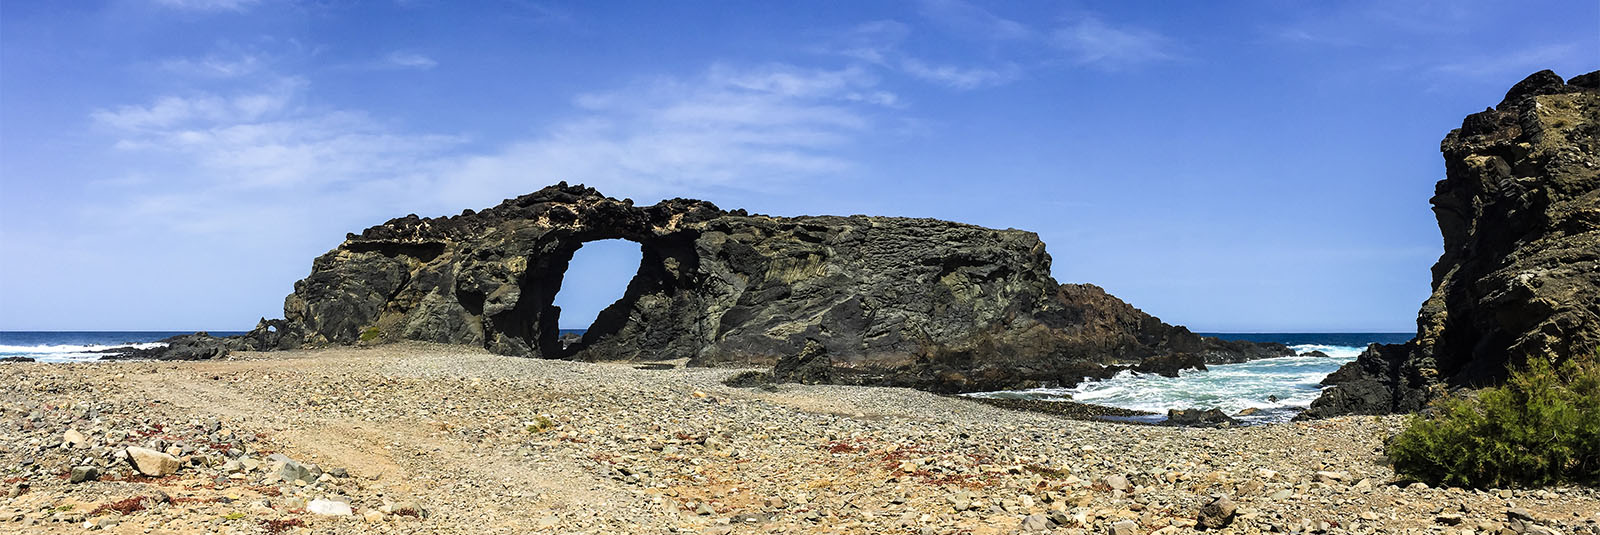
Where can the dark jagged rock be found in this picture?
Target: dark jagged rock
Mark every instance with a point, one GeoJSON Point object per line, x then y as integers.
{"type": "Point", "coordinates": [1519, 210]}
{"type": "Point", "coordinates": [1315, 353]}
{"type": "Point", "coordinates": [809, 367]}
{"type": "Point", "coordinates": [1199, 418]}
{"type": "Point", "coordinates": [197, 346]}
{"type": "Point", "coordinates": [16, 359]}
{"type": "Point", "coordinates": [1170, 364]}
{"type": "Point", "coordinates": [752, 379]}
{"type": "Point", "coordinates": [921, 303]}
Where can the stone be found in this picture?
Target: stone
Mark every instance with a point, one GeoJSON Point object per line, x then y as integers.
{"type": "Point", "coordinates": [1517, 279]}
{"type": "Point", "coordinates": [1199, 418]}
{"type": "Point", "coordinates": [1035, 522]}
{"type": "Point", "coordinates": [81, 474]}
{"type": "Point", "coordinates": [1329, 477]}
{"type": "Point", "coordinates": [1117, 482]}
{"type": "Point", "coordinates": [1123, 527]}
{"type": "Point", "coordinates": [1448, 519]}
{"type": "Point", "coordinates": [151, 462]}
{"type": "Point", "coordinates": [291, 471]}
{"type": "Point", "coordinates": [373, 516]}
{"type": "Point", "coordinates": [72, 438]}
{"type": "Point", "coordinates": [935, 305]}
{"type": "Point", "coordinates": [329, 508]}
{"type": "Point", "coordinates": [1217, 513]}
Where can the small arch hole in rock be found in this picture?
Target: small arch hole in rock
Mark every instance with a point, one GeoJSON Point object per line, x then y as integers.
{"type": "Point", "coordinates": [597, 276]}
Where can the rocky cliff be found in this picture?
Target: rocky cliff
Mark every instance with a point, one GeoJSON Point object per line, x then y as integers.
{"type": "Point", "coordinates": [1519, 209]}
{"type": "Point", "coordinates": [861, 300]}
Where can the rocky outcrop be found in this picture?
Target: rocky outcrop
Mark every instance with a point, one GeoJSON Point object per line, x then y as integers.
{"type": "Point", "coordinates": [197, 346]}
{"type": "Point", "coordinates": [923, 303]}
{"type": "Point", "coordinates": [1519, 210]}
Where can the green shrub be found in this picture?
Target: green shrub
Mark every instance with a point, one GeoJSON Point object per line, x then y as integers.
{"type": "Point", "coordinates": [1541, 427]}
{"type": "Point", "coordinates": [372, 333]}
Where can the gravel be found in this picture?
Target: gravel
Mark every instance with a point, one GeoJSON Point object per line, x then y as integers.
{"type": "Point", "coordinates": [420, 438]}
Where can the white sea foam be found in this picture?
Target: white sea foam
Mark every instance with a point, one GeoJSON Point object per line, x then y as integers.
{"type": "Point", "coordinates": [1343, 352]}
{"type": "Point", "coordinates": [67, 352]}
{"type": "Point", "coordinates": [1278, 387]}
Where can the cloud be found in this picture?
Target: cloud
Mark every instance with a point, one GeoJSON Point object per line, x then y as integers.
{"type": "Point", "coordinates": [1094, 42]}
{"type": "Point", "coordinates": [1511, 64]}
{"type": "Point", "coordinates": [960, 78]}
{"type": "Point", "coordinates": [227, 163]}
{"type": "Point", "coordinates": [974, 22]}
{"type": "Point", "coordinates": [224, 163]}
{"type": "Point", "coordinates": [214, 66]}
{"type": "Point", "coordinates": [873, 42]}
{"type": "Point", "coordinates": [408, 60]}
{"type": "Point", "coordinates": [208, 5]}
{"type": "Point", "coordinates": [751, 128]}
{"type": "Point", "coordinates": [174, 113]}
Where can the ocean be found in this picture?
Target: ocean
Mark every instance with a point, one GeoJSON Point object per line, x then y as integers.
{"type": "Point", "coordinates": [1278, 388]}
{"type": "Point", "coordinates": [79, 346]}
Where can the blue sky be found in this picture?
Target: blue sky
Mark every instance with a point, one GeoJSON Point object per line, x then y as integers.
{"type": "Point", "coordinates": [1244, 166]}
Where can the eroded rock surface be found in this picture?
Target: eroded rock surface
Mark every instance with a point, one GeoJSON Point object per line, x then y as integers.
{"type": "Point", "coordinates": [923, 303]}
{"type": "Point", "coordinates": [1519, 209]}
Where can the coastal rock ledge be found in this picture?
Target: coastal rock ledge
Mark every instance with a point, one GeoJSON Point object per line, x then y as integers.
{"type": "Point", "coordinates": [1519, 279]}
{"type": "Point", "coordinates": [922, 303]}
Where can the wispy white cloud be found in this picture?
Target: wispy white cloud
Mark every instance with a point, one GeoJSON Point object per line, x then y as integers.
{"type": "Point", "coordinates": [958, 77]}
{"type": "Point", "coordinates": [874, 42]}
{"type": "Point", "coordinates": [227, 162]}
{"type": "Point", "coordinates": [215, 66]}
{"type": "Point", "coordinates": [1093, 41]}
{"type": "Point", "coordinates": [1014, 48]}
{"type": "Point", "coordinates": [222, 163]}
{"type": "Point", "coordinates": [729, 127]}
{"type": "Point", "coordinates": [974, 22]}
{"type": "Point", "coordinates": [1511, 63]}
{"type": "Point", "coordinates": [208, 5]}
{"type": "Point", "coordinates": [408, 60]}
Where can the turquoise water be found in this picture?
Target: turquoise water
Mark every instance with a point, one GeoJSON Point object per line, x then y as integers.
{"type": "Point", "coordinates": [1279, 388]}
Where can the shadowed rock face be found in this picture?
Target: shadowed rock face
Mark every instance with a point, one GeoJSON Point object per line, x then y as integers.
{"type": "Point", "coordinates": [856, 300]}
{"type": "Point", "coordinates": [1519, 210]}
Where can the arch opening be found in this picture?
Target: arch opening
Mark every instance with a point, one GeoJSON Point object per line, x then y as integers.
{"type": "Point", "coordinates": [596, 278]}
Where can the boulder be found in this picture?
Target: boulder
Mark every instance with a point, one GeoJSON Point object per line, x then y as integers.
{"type": "Point", "coordinates": [81, 474]}
{"type": "Point", "coordinates": [1519, 211]}
{"type": "Point", "coordinates": [151, 462]}
{"type": "Point", "coordinates": [1170, 365]}
{"type": "Point", "coordinates": [1199, 418]}
{"type": "Point", "coordinates": [1216, 514]}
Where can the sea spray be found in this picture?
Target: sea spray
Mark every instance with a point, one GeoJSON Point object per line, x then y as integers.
{"type": "Point", "coordinates": [1277, 388]}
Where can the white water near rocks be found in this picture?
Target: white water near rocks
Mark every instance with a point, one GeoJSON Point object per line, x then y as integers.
{"type": "Point", "coordinates": [1279, 387]}
{"type": "Point", "coordinates": [67, 352]}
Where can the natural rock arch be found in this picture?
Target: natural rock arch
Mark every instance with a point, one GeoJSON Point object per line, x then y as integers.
{"type": "Point", "coordinates": [868, 300]}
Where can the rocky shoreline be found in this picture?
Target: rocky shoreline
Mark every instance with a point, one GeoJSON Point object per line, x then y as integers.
{"type": "Point", "coordinates": [421, 438]}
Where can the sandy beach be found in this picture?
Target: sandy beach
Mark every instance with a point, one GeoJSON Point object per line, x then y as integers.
{"type": "Point", "coordinates": [417, 438]}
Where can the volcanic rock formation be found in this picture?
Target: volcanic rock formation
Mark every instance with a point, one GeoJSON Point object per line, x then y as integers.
{"type": "Point", "coordinates": [1519, 279]}
{"type": "Point", "coordinates": [924, 303]}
